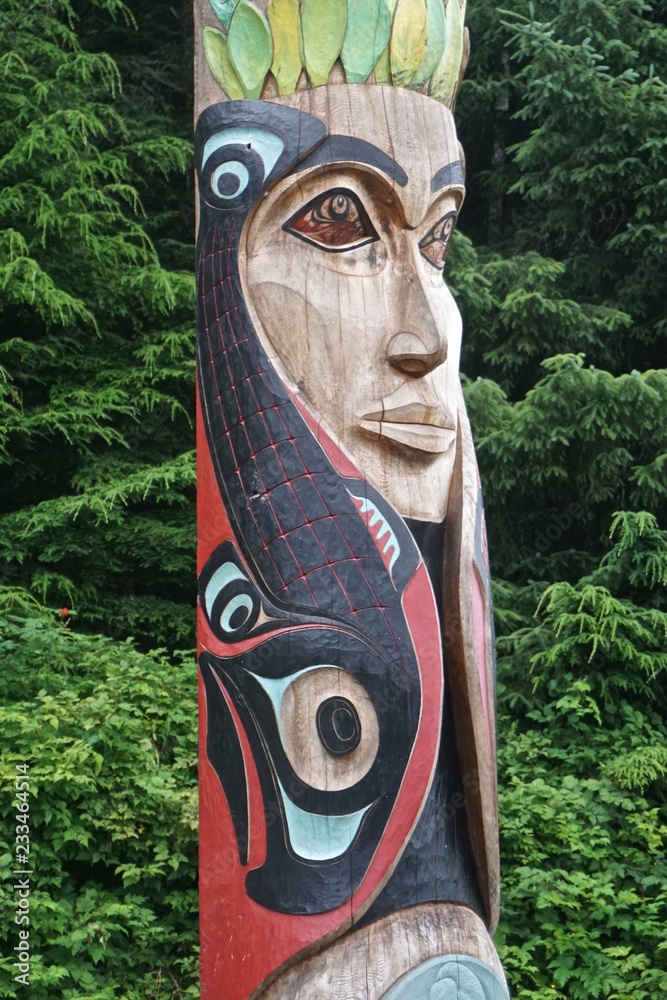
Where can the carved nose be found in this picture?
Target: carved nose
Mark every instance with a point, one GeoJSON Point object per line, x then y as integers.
{"type": "Point", "coordinates": [408, 353]}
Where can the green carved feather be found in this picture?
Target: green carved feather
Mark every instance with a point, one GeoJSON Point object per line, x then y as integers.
{"type": "Point", "coordinates": [382, 67]}
{"type": "Point", "coordinates": [435, 42]}
{"type": "Point", "coordinates": [447, 73]}
{"type": "Point", "coordinates": [250, 47]}
{"type": "Point", "coordinates": [223, 10]}
{"type": "Point", "coordinates": [283, 18]}
{"type": "Point", "coordinates": [408, 40]}
{"type": "Point", "coordinates": [219, 63]}
{"type": "Point", "coordinates": [404, 43]}
{"type": "Point", "coordinates": [366, 37]}
{"type": "Point", "coordinates": [323, 25]}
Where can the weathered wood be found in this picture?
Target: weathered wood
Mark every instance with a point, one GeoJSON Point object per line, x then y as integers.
{"type": "Point", "coordinates": [367, 963]}
{"type": "Point", "coordinates": [470, 661]}
{"type": "Point", "coordinates": [348, 818]}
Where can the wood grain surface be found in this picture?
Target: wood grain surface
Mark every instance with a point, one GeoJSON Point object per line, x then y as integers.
{"type": "Point", "coordinates": [366, 963]}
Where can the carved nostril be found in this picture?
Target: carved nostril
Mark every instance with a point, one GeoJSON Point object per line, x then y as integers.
{"type": "Point", "coordinates": [408, 353]}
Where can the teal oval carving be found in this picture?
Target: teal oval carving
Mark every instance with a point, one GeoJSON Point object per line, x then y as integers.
{"type": "Point", "coordinates": [449, 977]}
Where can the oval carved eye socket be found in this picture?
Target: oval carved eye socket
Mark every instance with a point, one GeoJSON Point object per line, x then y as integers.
{"type": "Point", "coordinates": [230, 602]}
{"type": "Point", "coordinates": [329, 728]}
{"type": "Point", "coordinates": [338, 725]}
{"type": "Point", "coordinates": [334, 221]}
{"type": "Point", "coordinates": [435, 244]}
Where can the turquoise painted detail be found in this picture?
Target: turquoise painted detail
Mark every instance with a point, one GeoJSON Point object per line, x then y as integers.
{"type": "Point", "coordinates": [240, 601]}
{"type": "Point", "coordinates": [228, 571]}
{"type": "Point", "coordinates": [223, 10]}
{"type": "Point", "coordinates": [313, 837]}
{"type": "Point", "coordinates": [230, 168]}
{"type": "Point", "coordinates": [276, 687]}
{"type": "Point", "coordinates": [267, 144]}
{"type": "Point", "coordinates": [449, 977]}
{"type": "Point", "coordinates": [319, 838]}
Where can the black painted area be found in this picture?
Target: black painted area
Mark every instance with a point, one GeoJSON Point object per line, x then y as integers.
{"type": "Point", "coordinates": [348, 149]}
{"type": "Point", "coordinates": [437, 864]}
{"type": "Point", "coordinates": [430, 537]}
{"type": "Point", "coordinates": [299, 132]}
{"type": "Point", "coordinates": [286, 881]}
{"type": "Point", "coordinates": [451, 173]}
{"type": "Point", "coordinates": [338, 726]}
{"type": "Point", "coordinates": [223, 749]}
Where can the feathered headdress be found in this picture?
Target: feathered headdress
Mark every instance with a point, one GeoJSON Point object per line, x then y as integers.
{"type": "Point", "coordinates": [265, 49]}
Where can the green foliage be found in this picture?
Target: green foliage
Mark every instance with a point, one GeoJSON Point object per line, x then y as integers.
{"type": "Point", "coordinates": [564, 115]}
{"type": "Point", "coordinates": [584, 767]}
{"type": "Point", "coordinates": [96, 295]}
{"type": "Point", "coordinates": [96, 497]}
{"type": "Point", "coordinates": [109, 736]}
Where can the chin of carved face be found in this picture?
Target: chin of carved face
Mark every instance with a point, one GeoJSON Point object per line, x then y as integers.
{"type": "Point", "coordinates": [344, 272]}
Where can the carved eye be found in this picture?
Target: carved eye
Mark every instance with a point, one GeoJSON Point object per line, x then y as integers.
{"type": "Point", "coordinates": [230, 602]}
{"type": "Point", "coordinates": [230, 179]}
{"type": "Point", "coordinates": [329, 728]}
{"type": "Point", "coordinates": [435, 244]}
{"type": "Point", "coordinates": [334, 221]}
{"type": "Point", "coordinates": [338, 725]}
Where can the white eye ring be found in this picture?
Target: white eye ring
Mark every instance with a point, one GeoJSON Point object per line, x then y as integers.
{"type": "Point", "coordinates": [240, 601]}
{"type": "Point", "coordinates": [267, 144]}
{"type": "Point", "coordinates": [223, 575]}
{"type": "Point", "coordinates": [231, 169]}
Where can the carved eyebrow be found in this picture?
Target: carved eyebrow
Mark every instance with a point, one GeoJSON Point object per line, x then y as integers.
{"type": "Point", "coordinates": [451, 173]}
{"type": "Point", "coordinates": [338, 148]}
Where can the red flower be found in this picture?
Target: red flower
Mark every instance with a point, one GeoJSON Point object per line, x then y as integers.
{"type": "Point", "coordinates": [63, 612]}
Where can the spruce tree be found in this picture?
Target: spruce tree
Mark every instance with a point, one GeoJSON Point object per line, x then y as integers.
{"type": "Point", "coordinates": [96, 299]}
{"type": "Point", "coordinates": [96, 498]}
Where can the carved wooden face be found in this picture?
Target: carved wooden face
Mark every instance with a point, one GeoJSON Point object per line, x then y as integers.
{"type": "Point", "coordinates": [344, 271]}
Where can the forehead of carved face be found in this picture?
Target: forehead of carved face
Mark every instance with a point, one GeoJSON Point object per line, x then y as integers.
{"type": "Point", "coordinates": [344, 265]}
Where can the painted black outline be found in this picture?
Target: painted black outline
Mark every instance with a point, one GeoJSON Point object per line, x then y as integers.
{"type": "Point", "coordinates": [363, 214]}
{"type": "Point", "coordinates": [372, 641]}
{"type": "Point", "coordinates": [335, 743]}
{"type": "Point", "coordinates": [452, 174]}
{"type": "Point", "coordinates": [349, 149]}
{"type": "Point", "coordinates": [448, 215]}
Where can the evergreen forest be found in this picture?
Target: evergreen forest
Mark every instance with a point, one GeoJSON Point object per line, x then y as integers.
{"type": "Point", "coordinates": [559, 268]}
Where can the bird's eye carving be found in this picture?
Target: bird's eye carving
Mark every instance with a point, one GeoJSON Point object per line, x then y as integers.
{"type": "Point", "coordinates": [230, 602]}
{"type": "Point", "coordinates": [435, 244]}
{"type": "Point", "coordinates": [338, 725]}
{"type": "Point", "coordinates": [329, 728]}
{"type": "Point", "coordinates": [229, 179]}
{"type": "Point", "coordinates": [334, 221]}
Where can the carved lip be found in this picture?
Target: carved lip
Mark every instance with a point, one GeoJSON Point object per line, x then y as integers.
{"type": "Point", "coordinates": [423, 425]}
{"type": "Point", "coordinates": [414, 413]}
{"type": "Point", "coordinates": [420, 437]}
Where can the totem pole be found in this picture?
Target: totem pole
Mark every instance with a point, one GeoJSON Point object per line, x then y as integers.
{"type": "Point", "coordinates": [348, 821]}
